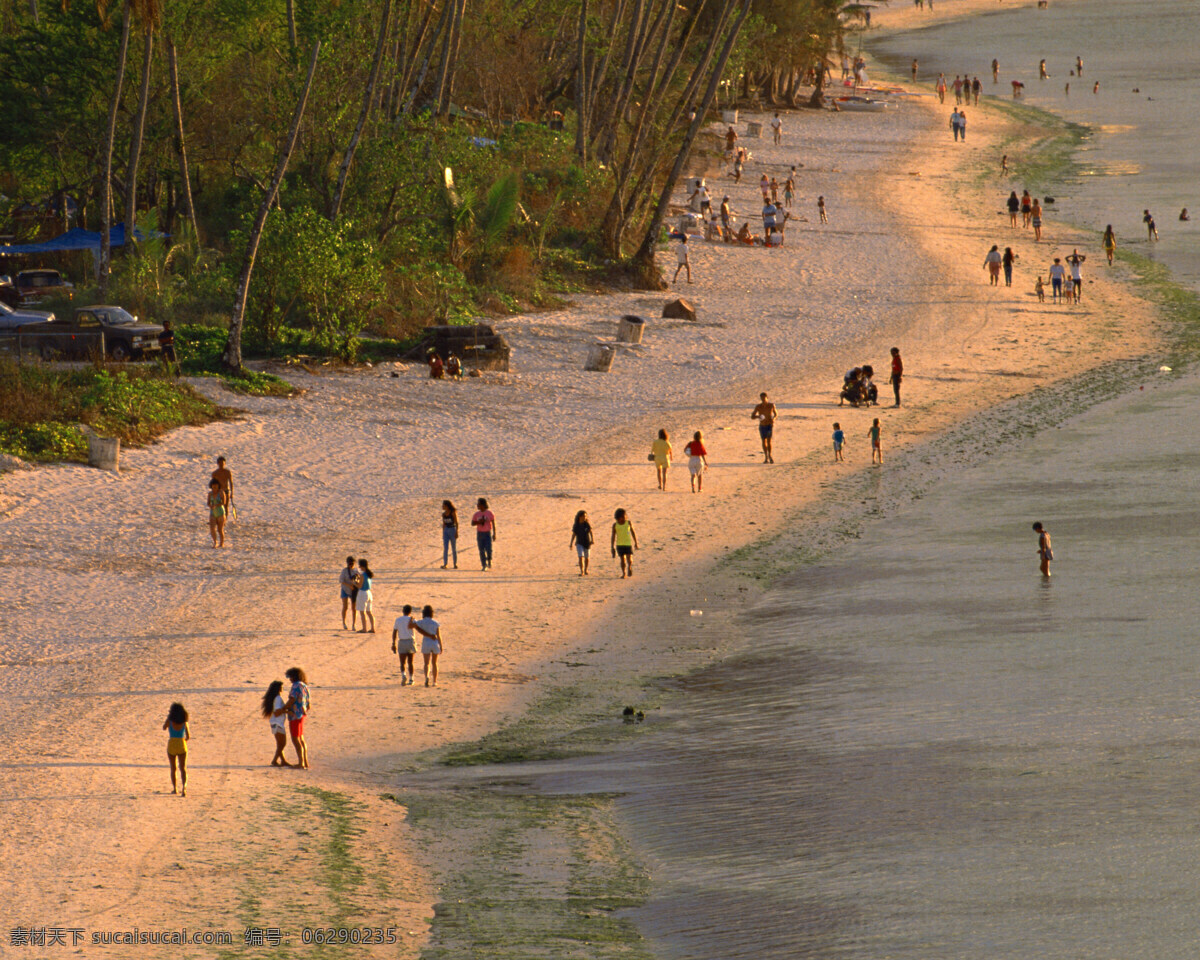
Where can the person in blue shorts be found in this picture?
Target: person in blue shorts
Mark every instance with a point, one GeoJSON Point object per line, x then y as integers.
{"type": "Point", "coordinates": [839, 439]}
{"type": "Point", "coordinates": [765, 413]}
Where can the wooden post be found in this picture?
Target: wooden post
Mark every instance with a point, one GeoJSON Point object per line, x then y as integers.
{"type": "Point", "coordinates": [600, 357]}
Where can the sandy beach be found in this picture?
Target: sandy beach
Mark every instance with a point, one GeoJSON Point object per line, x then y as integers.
{"type": "Point", "coordinates": [118, 606]}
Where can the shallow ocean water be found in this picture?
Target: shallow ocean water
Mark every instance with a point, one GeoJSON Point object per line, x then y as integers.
{"type": "Point", "coordinates": [925, 751]}
{"type": "Point", "coordinates": [1143, 150]}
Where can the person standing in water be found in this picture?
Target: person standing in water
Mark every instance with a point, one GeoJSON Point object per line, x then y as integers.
{"type": "Point", "coordinates": [995, 70]}
{"type": "Point", "coordinates": [623, 542]}
{"type": "Point", "coordinates": [914, 69]}
{"type": "Point", "coordinates": [1044, 550]}
{"type": "Point", "coordinates": [1151, 229]}
{"type": "Point", "coordinates": [1109, 243]}
{"type": "Point", "coordinates": [765, 413]}
{"type": "Point", "coordinates": [178, 734]}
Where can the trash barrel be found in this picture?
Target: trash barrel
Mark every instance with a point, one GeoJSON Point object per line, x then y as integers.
{"type": "Point", "coordinates": [630, 329]}
{"type": "Point", "coordinates": [104, 453]}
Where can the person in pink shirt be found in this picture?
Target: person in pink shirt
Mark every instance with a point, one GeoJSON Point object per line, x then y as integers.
{"type": "Point", "coordinates": [484, 522]}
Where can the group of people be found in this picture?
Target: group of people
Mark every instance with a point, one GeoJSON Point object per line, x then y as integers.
{"type": "Point", "coordinates": [858, 383]}
{"type": "Point", "coordinates": [220, 502]}
{"type": "Point", "coordinates": [963, 88]}
{"type": "Point", "coordinates": [450, 368]}
{"type": "Point", "coordinates": [662, 455]}
{"type": "Point", "coordinates": [284, 715]}
{"type": "Point", "coordinates": [875, 432]}
{"type": "Point", "coordinates": [1030, 208]}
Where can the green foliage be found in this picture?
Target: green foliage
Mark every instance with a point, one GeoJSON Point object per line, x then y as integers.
{"type": "Point", "coordinates": [314, 273]}
{"type": "Point", "coordinates": [199, 349]}
{"type": "Point", "coordinates": [40, 407]}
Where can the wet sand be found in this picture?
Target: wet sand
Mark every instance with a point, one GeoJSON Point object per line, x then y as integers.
{"type": "Point", "coordinates": [924, 750]}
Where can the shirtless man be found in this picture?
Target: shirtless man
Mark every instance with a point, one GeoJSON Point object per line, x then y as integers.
{"type": "Point", "coordinates": [765, 413]}
{"type": "Point", "coordinates": [225, 481]}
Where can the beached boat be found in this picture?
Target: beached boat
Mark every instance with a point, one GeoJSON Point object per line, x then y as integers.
{"type": "Point", "coordinates": [859, 104]}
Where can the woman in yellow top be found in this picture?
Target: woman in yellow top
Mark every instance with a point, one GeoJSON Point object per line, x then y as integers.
{"type": "Point", "coordinates": [660, 453]}
{"type": "Point", "coordinates": [624, 542]}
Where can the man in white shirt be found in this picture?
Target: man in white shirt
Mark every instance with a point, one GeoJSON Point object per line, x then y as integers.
{"type": "Point", "coordinates": [1057, 272]}
{"type": "Point", "coordinates": [777, 126]}
{"type": "Point", "coordinates": [404, 643]}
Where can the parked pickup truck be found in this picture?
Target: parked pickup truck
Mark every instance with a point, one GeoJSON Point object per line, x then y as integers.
{"type": "Point", "coordinates": [34, 286]}
{"type": "Point", "coordinates": [125, 337]}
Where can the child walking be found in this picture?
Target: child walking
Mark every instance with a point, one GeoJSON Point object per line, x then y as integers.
{"type": "Point", "coordinates": [876, 446]}
{"type": "Point", "coordinates": [839, 438]}
{"type": "Point", "coordinates": [582, 540]}
{"type": "Point", "coordinates": [624, 541]}
{"type": "Point", "coordinates": [178, 735]}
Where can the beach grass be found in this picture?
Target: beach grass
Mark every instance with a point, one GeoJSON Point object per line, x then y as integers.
{"type": "Point", "coordinates": [41, 408]}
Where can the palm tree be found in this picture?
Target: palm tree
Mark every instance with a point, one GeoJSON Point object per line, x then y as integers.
{"type": "Point", "coordinates": [113, 106]}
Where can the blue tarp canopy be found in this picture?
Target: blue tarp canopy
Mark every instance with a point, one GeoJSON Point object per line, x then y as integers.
{"type": "Point", "coordinates": [75, 239]}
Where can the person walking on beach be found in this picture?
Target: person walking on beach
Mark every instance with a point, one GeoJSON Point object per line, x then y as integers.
{"type": "Point", "coordinates": [1035, 218]}
{"type": "Point", "coordinates": [449, 533]}
{"type": "Point", "coordinates": [731, 139]}
{"type": "Point", "coordinates": [682, 260]}
{"type": "Point", "coordinates": [623, 542]}
{"type": "Point", "coordinates": [1109, 243]}
{"type": "Point", "coordinates": [962, 125]}
{"type": "Point", "coordinates": [1075, 260]}
{"type": "Point", "coordinates": [364, 603]}
{"type": "Point", "coordinates": [821, 210]}
{"type": "Point", "coordinates": [876, 442]}
{"type": "Point", "coordinates": [1042, 74]}
{"type": "Point", "coordinates": [839, 440]}
{"type": "Point", "coordinates": [404, 643]}
{"type": "Point", "coordinates": [1009, 259]}
{"type": "Point", "coordinates": [897, 373]}
{"type": "Point", "coordinates": [274, 709]}
{"type": "Point", "coordinates": [976, 89]}
{"type": "Point", "coordinates": [954, 121]}
{"type": "Point", "coordinates": [995, 70]}
{"type": "Point", "coordinates": [582, 539]}
{"type": "Point", "coordinates": [431, 643]}
{"type": "Point", "coordinates": [1026, 207]}
{"type": "Point", "coordinates": [777, 128]}
{"type": "Point", "coordinates": [1014, 207]}
{"type": "Point", "coordinates": [697, 461]}
{"type": "Point", "coordinates": [178, 734]}
{"type": "Point", "coordinates": [991, 263]}
{"type": "Point", "coordinates": [216, 514]}
{"type": "Point", "coordinates": [1057, 273]}
{"type": "Point", "coordinates": [765, 413]}
{"type": "Point", "coordinates": [1004, 167]}
{"type": "Point", "coordinates": [661, 453]}
{"type": "Point", "coordinates": [1044, 550]}
{"type": "Point", "coordinates": [224, 478]}
{"type": "Point", "coordinates": [484, 522]}
{"type": "Point", "coordinates": [958, 85]}
{"type": "Point", "coordinates": [941, 88]}
{"type": "Point", "coordinates": [789, 192]}
{"type": "Point", "coordinates": [298, 705]}
{"type": "Point", "coordinates": [1151, 229]}
{"type": "Point", "coordinates": [348, 584]}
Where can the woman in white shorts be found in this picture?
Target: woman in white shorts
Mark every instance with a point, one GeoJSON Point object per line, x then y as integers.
{"type": "Point", "coordinates": [431, 642]}
{"type": "Point", "coordinates": [697, 460]}
{"type": "Point", "coordinates": [364, 602]}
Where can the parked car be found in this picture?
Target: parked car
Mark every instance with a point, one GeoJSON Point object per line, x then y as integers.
{"type": "Point", "coordinates": [11, 318]}
{"type": "Point", "coordinates": [36, 285]}
{"type": "Point", "coordinates": [125, 336]}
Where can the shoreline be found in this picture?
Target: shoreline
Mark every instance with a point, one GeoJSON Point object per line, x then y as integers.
{"type": "Point", "coordinates": [508, 687]}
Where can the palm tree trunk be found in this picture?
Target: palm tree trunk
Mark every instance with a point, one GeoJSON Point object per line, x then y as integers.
{"type": "Point", "coordinates": [645, 255]}
{"type": "Point", "coordinates": [335, 206]}
{"type": "Point", "coordinates": [233, 347]}
{"type": "Point", "coordinates": [581, 91]}
{"type": "Point", "coordinates": [106, 186]}
{"type": "Point", "coordinates": [135, 140]}
{"type": "Point", "coordinates": [33, 12]}
{"type": "Point", "coordinates": [185, 178]}
{"type": "Point", "coordinates": [291, 24]}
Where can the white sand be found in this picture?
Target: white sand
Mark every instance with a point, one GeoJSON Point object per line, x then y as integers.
{"type": "Point", "coordinates": [117, 605]}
